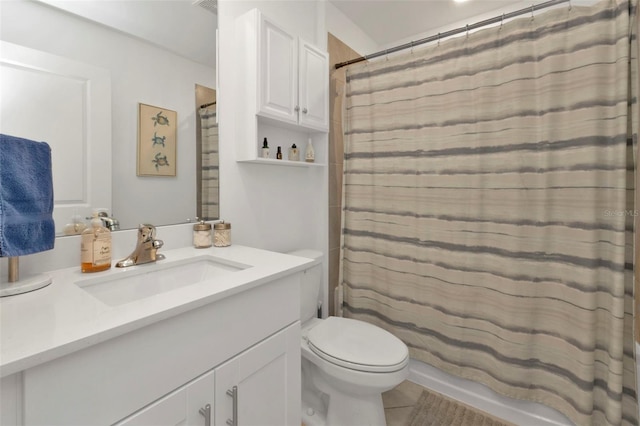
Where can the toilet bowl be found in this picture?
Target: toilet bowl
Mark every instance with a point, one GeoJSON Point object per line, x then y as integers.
{"type": "Point", "coordinates": [346, 364]}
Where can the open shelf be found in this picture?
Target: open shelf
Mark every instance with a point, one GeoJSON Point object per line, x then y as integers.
{"type": "Point", "coordinates": [287, 163]}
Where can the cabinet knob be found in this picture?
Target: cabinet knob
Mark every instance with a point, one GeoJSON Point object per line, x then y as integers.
{"type": "Point", "coordinates": [233, 393]}
{"type": "Point", "coordinates": [297, 108]}
{"type": "Point", "coordinates": [304, 110]}
{"type": "Point", "coordinates": [206, 412]}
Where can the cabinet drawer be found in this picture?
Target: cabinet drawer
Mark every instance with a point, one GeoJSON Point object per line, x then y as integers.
{"type": "Point", "coordinates": [180, 407]}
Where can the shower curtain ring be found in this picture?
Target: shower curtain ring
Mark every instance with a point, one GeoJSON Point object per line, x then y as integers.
{"type": "Point", "coordinates": [438, 39]}
{"type": "Point", "coordinates": [467, 30]}
{"type": "Point", "coordinates": [386, 54]}
{"type": "Point", "coordinates": [502, 21]}
{"type": "Point", "coordinates": [412, 47]}
{"type": "Point", "coordinates": [532, 12]}
{"type": "Point", "coordinates": [569, 5]}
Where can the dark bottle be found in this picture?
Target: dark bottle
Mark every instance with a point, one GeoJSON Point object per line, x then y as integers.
{"type": "Point", "coordinates": [279, 154]}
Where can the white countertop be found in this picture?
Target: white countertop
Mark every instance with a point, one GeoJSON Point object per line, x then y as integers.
{"type": "Point", "coordinates": [62, 318]}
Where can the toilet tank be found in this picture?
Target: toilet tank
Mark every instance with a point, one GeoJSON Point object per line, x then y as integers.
{"type": "Point", "coordinates": [310, 285]}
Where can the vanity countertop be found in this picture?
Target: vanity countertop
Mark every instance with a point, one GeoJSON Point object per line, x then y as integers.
{"type": "Point", "coordinates": [62, 318]}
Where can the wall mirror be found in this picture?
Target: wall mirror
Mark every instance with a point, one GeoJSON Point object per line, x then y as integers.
{"type": "Point", "coordinates": [80, 70]}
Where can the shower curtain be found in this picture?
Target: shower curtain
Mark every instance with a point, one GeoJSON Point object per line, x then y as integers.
{"type": "Point", "coordinates": [209, 184]}
{"type": "Point", "coordinates": [489, 206]}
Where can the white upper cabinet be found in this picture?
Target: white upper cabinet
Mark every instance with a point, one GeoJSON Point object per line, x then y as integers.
{"type": "Point", "coordinates": [293, 83]}
{"type": "Point", "coordinates": [313, 87]}
{"type": "Point", "coordinates": [278, 65]}
{"type": "Point", "coordinates": [281, 92]}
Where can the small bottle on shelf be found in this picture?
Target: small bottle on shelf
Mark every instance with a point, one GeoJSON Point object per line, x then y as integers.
{"type": "Point", "coordinates": [294, 153]}
{"type": "Point", "coordinates": [265, 148]}
{"type": "Point", "coordinates": [279, 154]}
{"type": "Point", "coordinates": [310, 155]}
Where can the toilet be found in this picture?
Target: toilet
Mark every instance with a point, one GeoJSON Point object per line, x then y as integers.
{"type": "Point", "coordinates": [346, 363]}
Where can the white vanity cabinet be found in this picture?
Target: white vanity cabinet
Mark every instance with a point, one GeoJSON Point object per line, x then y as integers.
{"type": "Point", "coordinates": [167, 371]}
{"type": "Point", "coordinates": [293, 78]}
{"type": "Point", "coordinates": [252, 388]}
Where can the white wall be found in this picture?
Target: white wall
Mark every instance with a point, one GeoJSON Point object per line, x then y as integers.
{"type": "Point", "coordinates": [177, 25]}
{"type": "Point", "coordinates": [140, 73]}
{"type": "Point", "coordinates": [348, 32]}
{"type": "Point", "coordinates": [270, 207]}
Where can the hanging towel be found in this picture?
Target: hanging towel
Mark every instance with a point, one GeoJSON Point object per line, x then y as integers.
{"type": "Point", "coordinates": [26, 197]}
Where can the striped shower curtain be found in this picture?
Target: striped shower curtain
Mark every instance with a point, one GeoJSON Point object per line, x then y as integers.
{"type": "Point", "coordinates": [210, 172]}
{"type": "Point", "coordinates": [488, 206]}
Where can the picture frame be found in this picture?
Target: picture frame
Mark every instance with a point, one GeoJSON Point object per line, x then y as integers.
{"type": "Point", "coordinates": [157, 134]}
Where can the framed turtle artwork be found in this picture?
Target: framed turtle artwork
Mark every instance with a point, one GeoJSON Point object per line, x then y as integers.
{"type": "Point", "coordinates": [156, 141]}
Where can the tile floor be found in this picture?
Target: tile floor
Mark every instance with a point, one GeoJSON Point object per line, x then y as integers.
{"type": "Point", "coordinates": [399, 402]}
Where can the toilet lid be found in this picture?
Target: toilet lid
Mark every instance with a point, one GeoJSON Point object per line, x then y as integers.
{"type": "Point", "coordinates": [358, 345]}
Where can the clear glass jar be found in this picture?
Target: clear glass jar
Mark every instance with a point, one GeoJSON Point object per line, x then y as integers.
{"type": "Point", "coordinates": [202, 234]}
{"type": "Point", "coordinates": [222, 234]}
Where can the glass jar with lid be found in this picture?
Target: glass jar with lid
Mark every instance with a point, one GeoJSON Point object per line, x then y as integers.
{"type": "Point", "coordinates": [222, 234]}
{"type": "Point", "coordinates": [202, 234]}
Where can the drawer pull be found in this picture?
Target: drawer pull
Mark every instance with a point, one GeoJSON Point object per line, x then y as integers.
{"type": "Point", "coordinates": [233, 393]}
{"type": "Point", "coordinates": [206, 412]}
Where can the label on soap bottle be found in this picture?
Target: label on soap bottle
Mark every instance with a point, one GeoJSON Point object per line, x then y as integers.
{"type": "Point", "coordinates": [96, 249]}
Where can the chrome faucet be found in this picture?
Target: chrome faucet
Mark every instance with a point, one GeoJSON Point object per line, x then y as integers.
{"type": "Point", "coordinates": [110, 223]}
{"type": "Point", "coordinates": [146, 248]}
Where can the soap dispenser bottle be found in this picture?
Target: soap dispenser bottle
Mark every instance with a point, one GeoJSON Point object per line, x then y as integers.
{"type": "Point", "coordinates": [95, 249]}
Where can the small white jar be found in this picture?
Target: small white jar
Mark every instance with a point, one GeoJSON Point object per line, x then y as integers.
{"type": "Point", "coordinates": [202, 234]}
{"type": "Point", "coordinates": [222, 234]}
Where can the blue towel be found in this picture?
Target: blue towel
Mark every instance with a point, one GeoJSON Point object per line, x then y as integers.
{"type": "Point", "coordinates": [26, 197]}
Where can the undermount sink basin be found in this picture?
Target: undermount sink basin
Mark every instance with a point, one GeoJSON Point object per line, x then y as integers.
{"type": "Point", "coordinates": [142, 281]}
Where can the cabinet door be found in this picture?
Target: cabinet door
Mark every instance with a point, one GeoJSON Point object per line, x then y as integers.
{"type": "Point", "coordinates": [263, 383]}
{"type": "Point", "coordinates": [313, 87]}
{"type": "Point", "coordinates": [11, 400]}
{"type": "Point", "coordinates": [277, 73]}
{"type": "Point", "coordinates": [181, 407]}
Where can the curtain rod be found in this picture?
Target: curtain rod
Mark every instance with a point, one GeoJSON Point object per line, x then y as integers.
{"type": "Point", "coordinates": [206, 105]}
{"type": "Point", "coordinates": [460, 30]}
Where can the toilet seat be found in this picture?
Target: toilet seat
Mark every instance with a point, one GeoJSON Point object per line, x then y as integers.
{"type": "Point", "coordinates": [357, 345]}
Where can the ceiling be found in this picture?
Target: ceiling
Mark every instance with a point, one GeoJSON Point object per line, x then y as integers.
{"type": "Point", "coordinates": [391, 21]}
{"type": "Point", "coordinates": [185, 27]}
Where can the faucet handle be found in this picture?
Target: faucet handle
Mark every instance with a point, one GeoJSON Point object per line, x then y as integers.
{"type": "Point", "coordinates": [146, 232]}
{"type": "Point", "coordinates": [157, 244]}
